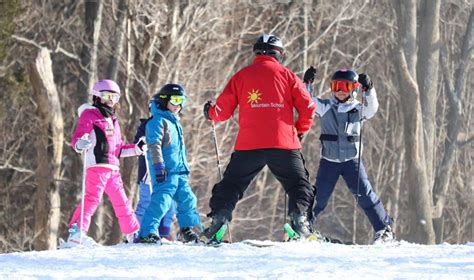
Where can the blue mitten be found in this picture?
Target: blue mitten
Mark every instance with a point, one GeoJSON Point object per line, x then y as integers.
{"type": "Point", "coordinates": [160, 172]}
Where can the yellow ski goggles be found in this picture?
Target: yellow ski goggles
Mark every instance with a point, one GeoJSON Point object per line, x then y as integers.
{"type": "Point", "coordinates": [178, 100]}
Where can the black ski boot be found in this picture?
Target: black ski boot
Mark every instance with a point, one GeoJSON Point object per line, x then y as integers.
{"type": "Point", "coordinates": [215, 232]}
{"type": "Point", "coordinates": [187, 235]}
{"type": "Point", "coordinates": [150, 239]}
{"type": "Point", "coordinates": [300, 224]}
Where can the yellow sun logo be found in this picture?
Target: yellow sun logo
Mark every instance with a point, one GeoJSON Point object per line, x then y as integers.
{"type": "Point", "coordinates": [254, 96]}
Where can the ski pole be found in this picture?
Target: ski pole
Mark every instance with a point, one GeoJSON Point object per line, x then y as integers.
{"type": "Point", "coordinates": [360, 146]}
{"type": "Point", "coordinates": [286, 236]}
{"type": "Point", "coordinates": [310, 88]}
{"type": "Point", "coordinates": [216, 147]}
{"type": "Point", "coordinates": [83, 154]}
{"type": "Point", "coordinates": [83, 194]}
{"type": "Point", "coordinates": [214, 137]}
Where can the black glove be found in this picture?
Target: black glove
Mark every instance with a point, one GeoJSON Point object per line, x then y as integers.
{"type": "Point", "coordinates": [365, 81]}
{"type": "Point", "coordinates": [141, 143]}
{"type": "Point", "coordinates": [301, 136]}
{"type": "Point", "coordinates": [205, 109]}
{"type": "Point", "coordinates": [309, 75]}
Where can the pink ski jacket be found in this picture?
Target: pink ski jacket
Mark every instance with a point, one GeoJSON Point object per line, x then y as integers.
{"type": "Point", "coordinates": [104, 133]}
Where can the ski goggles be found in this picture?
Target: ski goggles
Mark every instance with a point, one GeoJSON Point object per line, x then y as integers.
{"type": "Point", "coordinates": [178, 100]}
{"type": "Point", "coordinates": [110, 95]}
{"type": "Point", "coordinates": [345, 86]}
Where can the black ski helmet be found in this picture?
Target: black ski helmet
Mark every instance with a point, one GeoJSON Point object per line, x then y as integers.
{"type": "Point", "coordinates": [345, 75]}
{"type": "Point", "coordinates": [350, 76]}
{"type": "Point", "coordinates": [162, 97]}
{"type": "Point", "coordinates": [268, 44]}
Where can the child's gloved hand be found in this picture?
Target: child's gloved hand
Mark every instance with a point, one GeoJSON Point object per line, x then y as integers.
{"type": "Point", "coordinates": [160, 172]}
{"type": "Point", "coordinates": [309, 75]}
{"type": "Point", "coordinates": [83, 144]}
{"type": "Point", "coordinates": [366, 82]}
{"type": "Point", "coordinates": [140, 146]}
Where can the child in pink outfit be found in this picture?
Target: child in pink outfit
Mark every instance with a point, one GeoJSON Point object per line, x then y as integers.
{"type": "Point", "coordinates": [98, 135]}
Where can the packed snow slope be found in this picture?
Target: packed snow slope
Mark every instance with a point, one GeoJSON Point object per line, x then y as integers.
{"type": "Point", "coordinates": [295, 260]}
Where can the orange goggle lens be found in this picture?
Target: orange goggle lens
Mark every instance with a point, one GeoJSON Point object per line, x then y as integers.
{"type": "Point", "coordinates": [177, 100]}
{"type": "Point", "coordinates": [109, 95]}
{"type": "Point", "coordinates": [344, 86]}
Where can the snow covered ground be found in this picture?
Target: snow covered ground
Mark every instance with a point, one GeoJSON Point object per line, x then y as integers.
{"type": "Point", "coordinates": [240, 261]}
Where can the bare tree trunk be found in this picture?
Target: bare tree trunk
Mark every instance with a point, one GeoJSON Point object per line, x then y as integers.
{"type": "Point", "coordinates": [421, 226]}
{"type": "Point", "coordinates": [454, 92]}
{"type": "Point", "coordinates": [166, 43]}
{"type": "Point", "coordinates": [396, 194]}
{"type": "Point", "coordinates": [105, 211]}
{"type": "Point", "coordinates": [117, 45]}
{"type": "Point", "coordinates": [93, 21]}
{"type": "Point", "coordinates": [97, 222]}
{"type": "Point", "coordinates": [407, 33]}
{"type": "Point", "coordinates": [427, 78]}
{"type": "Point", "coordinates": [306, 35]}
{"type": "Point", "coordinates": [47, 200]}
{"type": "Point", "coordinates": [274, 207]}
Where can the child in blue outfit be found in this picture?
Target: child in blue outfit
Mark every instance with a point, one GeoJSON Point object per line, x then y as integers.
{"type": "Point", "coordinates": [169, 170]}
{"type": "Point", "coordinates": [145, 188]}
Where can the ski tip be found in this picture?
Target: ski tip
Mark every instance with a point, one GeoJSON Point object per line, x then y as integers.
{"type": "Point", "coordinates": [312, 237]}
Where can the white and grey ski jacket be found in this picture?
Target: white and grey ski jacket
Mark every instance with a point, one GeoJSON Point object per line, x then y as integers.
{"type": "Point", "coordinates": [341, 124]}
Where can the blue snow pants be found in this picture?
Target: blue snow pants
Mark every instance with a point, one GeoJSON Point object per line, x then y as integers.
{"type": "Point", "coordinates": [328, 174]}
{"type": "Point", "coordinates": [143, 203]}
{"type": "Point", "coordinates": [175, 187]}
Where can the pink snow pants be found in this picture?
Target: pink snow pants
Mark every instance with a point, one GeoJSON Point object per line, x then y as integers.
{"type": "Point", "coordinates": [98, 180]}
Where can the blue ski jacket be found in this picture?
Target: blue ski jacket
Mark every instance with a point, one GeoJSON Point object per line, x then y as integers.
{"type": "Point", "coordinates": [165, 141]}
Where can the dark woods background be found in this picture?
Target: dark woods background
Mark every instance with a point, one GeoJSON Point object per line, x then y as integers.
{"type": "Point", "coordinates": [418, 148]}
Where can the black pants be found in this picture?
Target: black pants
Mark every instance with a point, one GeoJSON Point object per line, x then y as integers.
{"type": "Point", "coordinates": [287, 166]}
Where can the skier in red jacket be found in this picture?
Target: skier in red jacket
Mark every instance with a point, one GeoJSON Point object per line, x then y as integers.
{"type": "Point", "coordinates": [267, 94]}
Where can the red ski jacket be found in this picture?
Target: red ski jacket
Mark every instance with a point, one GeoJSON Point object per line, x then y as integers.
{"type": "Point", "coordinates": [266, 93]}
